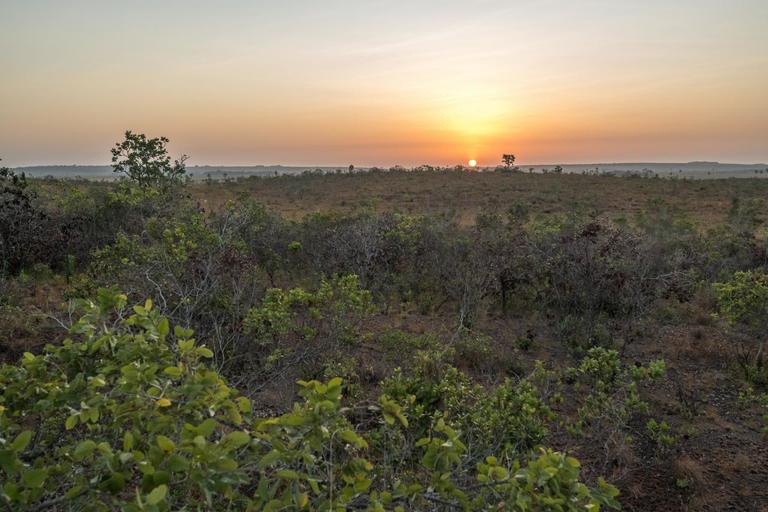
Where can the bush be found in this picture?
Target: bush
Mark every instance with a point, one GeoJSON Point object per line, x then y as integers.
{"type": "Point", "coordinates": [594, 281]}
{"type": "Point", "coordinates": [127, 415]}
{"type": "Point", "coordinates": [25, 229]}
{"type": "Point", "coordinates": [297, 329]}
{"type": "Point", "coordinates": [743, 302]}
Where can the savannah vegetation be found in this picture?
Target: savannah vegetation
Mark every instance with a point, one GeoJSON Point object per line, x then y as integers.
{"type": "Point", "coordinates": [423, 339]}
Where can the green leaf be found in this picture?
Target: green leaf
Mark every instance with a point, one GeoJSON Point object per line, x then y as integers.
{"type": "Point", "coordinates": [204, 352]}
{"type": "Point", "coordinates": [237, 439]}
{"type": "Point", "coordinates": [157, 495]}
{"type": "Point", "coordinates": [115, 483]}
{"type": "Point", "coordinates": [244, 405]}
{"type": "Point", "coordinates": [181, 332]}
{"type": "Point", "coordinates": [74, 491]}
{"type": "Point", "coordinates": [173, 371]}
{"type": "Point", "coordinates": [227, 464]}
{"type": "Point", "coordinates": [21, 441]}
{"type": "Point", "coordinates": [351, 437]}
{"type": "Point", "coordinates": [34, 478]}
{"type": "Point", "coordinates": [270, 458]}
{"type": "Point", "coordinates": [163, 327]}
{"type": "Point", "coordinates": [127, 441]}
{"type": "Point", "coordinates": [71, 422]}
{"type": "Point", "coordinates": [177, 463]}
{"type": "Point", "coordinates": [84, 449]}
{"type": "Point", "coordinates": [165, 444]}
{"type": "Point", "coordinates": [8, 461]}
{"type": "Point", "coordinates": [288, 474]}
{"type": "Point", "coordinates": [207, 427]}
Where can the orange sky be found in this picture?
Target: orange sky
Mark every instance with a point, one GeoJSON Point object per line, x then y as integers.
{"type": "Point", "coordinates": [384, 83]}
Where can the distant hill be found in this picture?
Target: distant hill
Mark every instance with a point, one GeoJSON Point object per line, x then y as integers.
{"type": "Point", "coordinates": [197, 171]}
{"type": "Point", "coordinates": [698, 170]}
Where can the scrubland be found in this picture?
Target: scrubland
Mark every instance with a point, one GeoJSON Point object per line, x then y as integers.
{"type": "Point", "coordinates": [431, 340]}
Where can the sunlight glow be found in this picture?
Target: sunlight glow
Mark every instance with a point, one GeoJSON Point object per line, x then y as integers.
{"type": "Point", "coordinates": [439, 85]}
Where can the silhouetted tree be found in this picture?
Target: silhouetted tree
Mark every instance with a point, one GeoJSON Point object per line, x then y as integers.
{"type": "Point", "coordinates": [508, 160]}
{"type": "Point", "coordinates": [146, 161]}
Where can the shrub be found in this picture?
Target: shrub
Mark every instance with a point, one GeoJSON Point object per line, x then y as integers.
{"type": "Point", "coordinates": [508, 420]}
{"type": "Point", "coordinates": [609, 391]}
{"type": "Point", "coordinates": [744, 299]}
{"type": "Point", "coordinates": [298, 327]}
{"type": "Point", "coordinates": [118, 405]}
{"type": "Point", "coordinates": [594, 280]}
{"type": "Point", "coordinates": [26, 233]}
{"type": "Point", "coordinates": [126, 414]}
{"type": "Point", "coordinates": [743, 302]}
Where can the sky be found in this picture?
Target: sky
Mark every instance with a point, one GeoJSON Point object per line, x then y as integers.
{"type": "Point", "coordinates": [386, 82]}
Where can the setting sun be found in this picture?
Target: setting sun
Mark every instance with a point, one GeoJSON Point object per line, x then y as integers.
{"type": "Point", "coordinates": [473, 163]}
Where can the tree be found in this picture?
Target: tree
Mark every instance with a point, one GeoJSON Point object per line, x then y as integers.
{"type": "Point", "coordinates": [23, 234]}
{"type": "Point", "coordinates": [508, 160]}
{"type": "Point", "coordinates": [146, 161]}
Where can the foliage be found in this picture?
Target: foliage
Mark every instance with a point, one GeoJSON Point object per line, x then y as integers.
{"type": "Point", "coordinates": [125, 414]}
{"type": "Point", "coordinates": [296, 325]}
{"type": "Point", "coordinates": [660, 433]}
{"type": "Point", "coordinates": [610, 390]}
{"type": "Point", "coordinates": [24, 235]}
{"type": "Point", "coordinates": [125, 403]}
{"type": "Point", "coordinates": [744, 299]}
{"type": "Point", "coordinates": [509, 420]}
{"type": "Point", "coordinates": [146, 162]}
{"type": "Point", "coordinates": [594, 278]}
{"type": "Point", "coordinates": [463, 309]}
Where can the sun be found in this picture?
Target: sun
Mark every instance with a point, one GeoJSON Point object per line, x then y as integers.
{"type": "Point", "coordinates": [473, 163]}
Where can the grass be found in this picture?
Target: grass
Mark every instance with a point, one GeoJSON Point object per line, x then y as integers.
{"type": "Point", "coordinates": [465, 194]}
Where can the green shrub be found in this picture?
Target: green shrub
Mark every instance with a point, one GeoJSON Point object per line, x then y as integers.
{"type": "Point", "coordinates": [744, 299]}
{"type": "Point", "coordinates": [743, 302]}
{"type": "Point", "coordinates": [609, 390]}
{"type": "Point", "coordinates": [295, 325]}
{"type": "Point", "coordinates": [510, 419]}
{"type": "Point", "coordinates": [126, 414]}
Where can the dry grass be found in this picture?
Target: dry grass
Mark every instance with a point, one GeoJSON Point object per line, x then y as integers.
{"type": "Point", "coordinates": [464, 194]}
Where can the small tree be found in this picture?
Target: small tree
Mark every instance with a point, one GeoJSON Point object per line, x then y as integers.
{"type": "Point", "coordinates": [23, 235]}
{"type": "Point", "coordinates": [508, 160]}
{"type": "Point", "coordinates": [146, 161]}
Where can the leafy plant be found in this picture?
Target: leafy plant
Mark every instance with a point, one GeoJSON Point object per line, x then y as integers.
{"type": "Point", "coordinates": [146, 162]}
{"type": "Point", "coordinates": [743, 301]}
{"type": "Point", "coordinates": [126, 414]}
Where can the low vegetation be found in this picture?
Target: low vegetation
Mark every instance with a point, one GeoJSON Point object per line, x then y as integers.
{"type": "Point", "coordinates": [374, 358]}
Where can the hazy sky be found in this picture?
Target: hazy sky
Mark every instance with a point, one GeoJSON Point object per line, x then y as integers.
{"type": "Point", "coordinates": [334, 82]}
